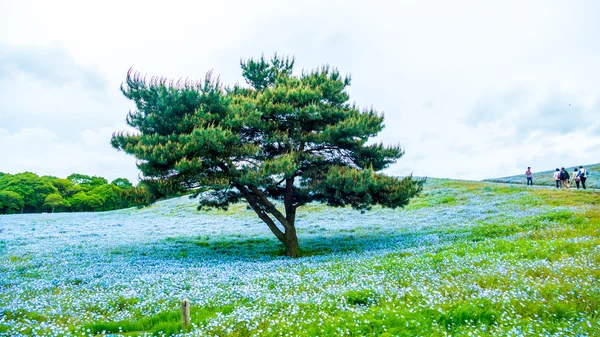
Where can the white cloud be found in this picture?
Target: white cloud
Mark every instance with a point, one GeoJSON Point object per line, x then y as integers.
{"type": "Point", "coordinates": [44, 152]}
{"type": "Point", "coordinates": [50, 65]}
{"type": "Point", "coordinates": [427, 65]}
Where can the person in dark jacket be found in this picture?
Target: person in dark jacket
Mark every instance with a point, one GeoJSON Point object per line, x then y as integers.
{"type": "Point", "coordinates": [564, 177]}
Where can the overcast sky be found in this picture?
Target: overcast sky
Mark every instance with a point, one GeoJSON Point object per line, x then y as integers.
{"type": "Point", "coordinates": [470, 89]}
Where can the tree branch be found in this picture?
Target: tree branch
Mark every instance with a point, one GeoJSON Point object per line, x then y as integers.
{"type": "Point", "coordinates": [270, 207]}
{"type": "Point", "coordinates": [254, 203]}
{"type": "Point", "coordinates": [249, 161]}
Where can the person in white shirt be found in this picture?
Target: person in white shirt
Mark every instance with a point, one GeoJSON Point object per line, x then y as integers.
{"type": "Point", "coordinates": [582, 176]}
{"type": "Point", "coordinates": [576, 177]}
{"type": "Point", "coordinates": [557, 178]}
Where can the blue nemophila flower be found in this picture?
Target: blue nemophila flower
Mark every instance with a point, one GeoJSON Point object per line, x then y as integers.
{"type": "Point", "coordinates": [457, 245]}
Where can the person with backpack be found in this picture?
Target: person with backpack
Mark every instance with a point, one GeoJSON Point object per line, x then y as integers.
{"type": "Point", "coordinates": [564, 177]}
{"type": "Point", "coordinates": [576, 177]}
{"type": "Point", "coordinates": [557, 178]}
{"type": "Point", "coordinates": [529, 177]}
{"type": "Point", "coordinates": [583, 173]}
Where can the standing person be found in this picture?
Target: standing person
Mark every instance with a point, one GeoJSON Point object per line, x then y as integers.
{"type": "Point", "coordinates": [576, 177]}
{"type": "Point", "coordinates": [529, 176]}
{"type": "Point", "coordinates": [582, 176]}
{"type": "Point", "coordinates": [564, 177]}
{"type": "Point", "coordinates": [557, 178]}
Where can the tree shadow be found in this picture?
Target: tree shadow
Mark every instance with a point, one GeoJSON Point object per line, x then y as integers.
{"type": "Point", "coordinates": [254, 249]}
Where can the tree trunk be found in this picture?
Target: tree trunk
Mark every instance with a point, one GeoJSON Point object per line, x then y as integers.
{"type": "Point", "coordinates": [292, 249]}
{"type": "Point", "coordinates": [261, 205]}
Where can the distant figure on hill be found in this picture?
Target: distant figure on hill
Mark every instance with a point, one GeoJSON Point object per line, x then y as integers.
{"type": "Point", "coordinates": [557, 178]}
{"type": "Point", "coordinates": [582, 176]}
{"type": "Point", "coordinates": [529, 176]}
{"type": "Point", "coordinates": [576, 177]}
{"type": "Point", "coordinates": [564, 177]}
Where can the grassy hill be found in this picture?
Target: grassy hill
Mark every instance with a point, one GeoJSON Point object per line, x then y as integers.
{"type": "Point", "coordinates": [465, 258]}
{"type": "Point", "coordinates": [546, 178]}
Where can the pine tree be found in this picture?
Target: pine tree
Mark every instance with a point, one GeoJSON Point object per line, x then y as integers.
{"type": "Point", "coordinates": [282, 137]}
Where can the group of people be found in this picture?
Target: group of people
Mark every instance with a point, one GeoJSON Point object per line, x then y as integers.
{"type": "Point", "coordinates": [562, 177]}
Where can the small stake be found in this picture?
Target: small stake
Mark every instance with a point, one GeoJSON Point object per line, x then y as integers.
{"type": "Point", "coordinates": [185, 314]}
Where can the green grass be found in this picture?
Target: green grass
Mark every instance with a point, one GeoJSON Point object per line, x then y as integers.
{"type": "Point", "coordinates": [167, 323]}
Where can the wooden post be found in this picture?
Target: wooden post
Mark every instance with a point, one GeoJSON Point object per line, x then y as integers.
{"type": "Point", "coordinates": [185, 314]}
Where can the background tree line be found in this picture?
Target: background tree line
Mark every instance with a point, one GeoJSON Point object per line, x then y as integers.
{"type": "Point", "coordinates": [29, 193]}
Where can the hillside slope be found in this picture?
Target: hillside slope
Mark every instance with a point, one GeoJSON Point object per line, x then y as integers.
{"type": "Point", "coordinates": [464, 258]}
{"type": "Point", "coordinates": [545, 178]}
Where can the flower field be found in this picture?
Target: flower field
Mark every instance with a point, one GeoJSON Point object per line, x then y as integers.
{"type": "Point", "coordinates": [463, 259]}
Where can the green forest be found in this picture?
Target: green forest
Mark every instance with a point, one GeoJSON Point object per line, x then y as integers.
{"type": "Point", "coordinates": [27, 192]}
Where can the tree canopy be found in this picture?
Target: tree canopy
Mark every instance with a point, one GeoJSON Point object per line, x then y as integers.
{"type": "Point", "coordinates": [293, 138]}
{"type": "Point", "coordinates": [10, 202]}
{"type": "Point", "coordinates": [54, 200]}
